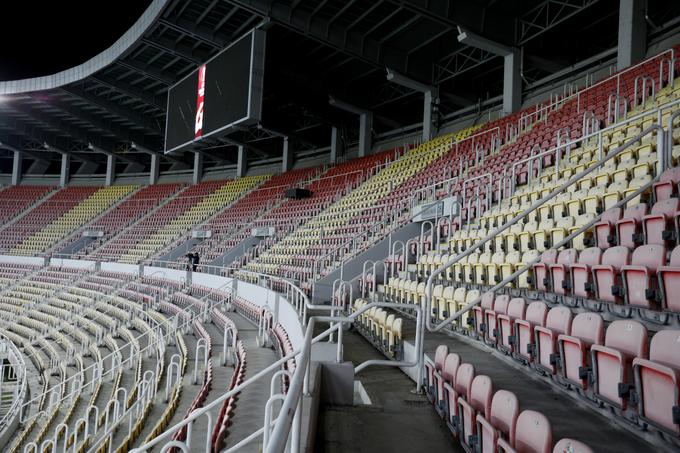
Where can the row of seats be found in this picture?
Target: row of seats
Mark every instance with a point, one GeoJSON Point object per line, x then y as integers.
{"type": "Point", "coordinates": [381, 328]}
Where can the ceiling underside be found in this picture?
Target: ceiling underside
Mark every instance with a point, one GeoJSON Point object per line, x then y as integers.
{"type": "Point", "coordinates": [315, 48]}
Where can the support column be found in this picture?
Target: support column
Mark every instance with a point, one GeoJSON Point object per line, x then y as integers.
{"type": "Point", "coordinates": [632, 33]}
{"type": "Point", "coordinates": [16, 168]}
{"type": "Point", "coordinates": [198, 168]}
{"type": "Point", "coordinates": [365, 127]}
{"type": "Point", "coordinates": [427, 116]}
{"type": "Point", "coordinates": [287, 156]}
{"type": "Point", "coordinates": [335, 145]}
{"type": "Point", "coordinates": [155, 169]}
{"type": "Point", "coordinates": [65, 170]}
{"type": "Point", "coordinates": [512, 83]}
{"type": "Point", "coordinates": [242, 162]}
{"type": "Point", "coordinates": [110, 169]}
{"type": "Point", "coordinates": [430, 93]}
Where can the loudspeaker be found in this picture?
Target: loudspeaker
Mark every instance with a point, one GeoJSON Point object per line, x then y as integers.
{"type": "Point", "coordinates": [298, 193]}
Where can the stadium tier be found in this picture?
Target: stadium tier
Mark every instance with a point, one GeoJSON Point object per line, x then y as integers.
{"type": "Point", "coordinates": [498, 278]}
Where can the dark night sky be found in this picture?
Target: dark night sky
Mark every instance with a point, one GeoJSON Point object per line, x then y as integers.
{"type": "Point", "coordinates": [45, 37]}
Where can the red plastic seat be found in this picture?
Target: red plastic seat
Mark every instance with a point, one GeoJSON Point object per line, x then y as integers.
{"type": "Point", "coordinates": [559, 271]}
{"type": "Point", "coordinates": [605, 228]}
{"type": "Point", "coordinates": [541, 271]}
{"type": "Point", "coordinates": [501, 422]}
{"type": "Point", "coordinates": [434, 381]}
{"type": "Point", "coordinates": [500, 307]}
{"type": "Point", "coordinates": [481, 392]}
{"type": "Point", "coordinates": [669, 281]}
{"type": "Point", "coordinates": [581, 272]}
{"type": "Point", "coordinates": [606, 275]}
{"type": "Point", "coordinates": [536, 315]}
{"type": "Point", "coordinates": [506, 324]}
{"type": "Point", "coordinates": [639, 278]}
{"type": "Point", "coordinates": [571, 446]}
{"type": "Point", "coordinates": [451, 364]}
{"type": "Point", "coordinates": [533, 434]}
{"type": "Point", "coordinates": [479, 310]}
{"type": "Point", "coordinates": [667, 186]}
{"type": "Point", "coordinates": [587, 329]}
{"type": "Point", "coordinates": [460, 389]}
{"type": "Point", "coordinates": [658, 382]}
{"type": "Point", "coordinates": [658, 226]}
{"type": "Point", "coordinates": [612, 363]}
{"type": "Point", "coordinates": [628, 228]}
{"type": "Point", "coordinates": [557, 322]}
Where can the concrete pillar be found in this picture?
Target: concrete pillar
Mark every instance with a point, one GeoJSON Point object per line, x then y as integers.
{"type": "Point", "coordinates": [65, 169]}
{"type": "Point", "coordinates": [16, 168]}
{"type": "Point", "coordinates": [287, 156]}
{"type": "Point", "coordinates": [110, 169]}
{"type": "Point", "coordinates": [512, 83]}
{"type": "Point", "coordinates": [198, 168]}
{"type": "Point", "coordinates": [365, 127]}
{"type": "Point", "coordinates": [242, 162]}
{"type": "Point", "coordinates": [335, 145]}
{"type": "Point", "coordinates": [155, 169]}
{"type": "Point", "coordinates": [428, 98]}
{"type": "Point", "coordinates": [632, 33]}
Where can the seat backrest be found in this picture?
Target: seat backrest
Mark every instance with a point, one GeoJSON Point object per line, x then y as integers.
{"type": "Point", "coordinates": [611, 215]}
{"type": "Point", "coordinates": [666, 207]}
{"type": "Point", "coordinates": [440, 356]}
{"type": "Point", "coordinates": [516, 308]}
{"type": "Point", "coordinates": [590, 256]}
{"type": "Point", "coordinates": [565, 222]}
{"type": "Point", "coordinates": [501, 303]}
{"type": "Point", "coordinates": [588, 327]}
{"type": "Point", "coordinates": [549, 257]}
{"type": "Point", "coordinates": [627, 336]}
{"type": "Point", "coordinates": [464, 377]}
{"type": "Point", "coordinates": [636, 212]}
{"type": "Point", "coordinates": [665, 348]}
{"type": "Point", "coordinates": [533, 433]}
{"type": "Point", "coordinates": [530, 255]}
{"type": "Point", "coordinates": [498, 258]}
{"type": "Point", "coordinates": [536, 313]}
{"type": "Point", "coordinates": [438, 290]}
{"type": "Point", "coordinates": [472, 295]}
{"type": "Point", "coordinates": [571, 446]}
{"type": "Point", "coordinates": [487, 300]}
{"type": "Point", "coordinates": [568, 256]}
{"type": "Point", "coordinates": [559, 320]}
{"type": "Point", "coordinates": [670, 175]}
{"type": "Point", "coordinates": [448, 292]}
{"type": "Point", "coordinates": [450, 369]}
{"type": "Point", "coordinates": [675, 257]}
{"type": "Point", "coordinates": [504, 413]}
{"type": "Point", "coordinates": [481, 394]}
{"type": "Point", "coordinates": [650, 256]}
{"type": "Point", "coordinates": [616, 257]}
{"type": "Point", "coordinates": [459, 294]}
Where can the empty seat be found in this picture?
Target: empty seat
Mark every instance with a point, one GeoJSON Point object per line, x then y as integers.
{"type": "Point", "coordinates": [587, 329]}
{"type": "Point", "coordinates": [478, 312]}
{"type": "Point", "coordinates": [605, 228]}
{"type": "Point", "coordinates": [657, 382]}
{"type": "Point", "coordinates": [500, 307]}
{"type": "Point", "coordinates": [533, 434]}
{"type": "Point", "coordinates": [581, 272]}
{"type": "Point", "coordinates": [639, 278]}
{"type": "Point", "coordinates": [481, 393]}
{"type": "Point", "coordinates": [606, 275]}
{"type": "Point", "coordinates": [557, 322]}
{"type": "Point", "coordinates": [658, 226]}
{"type": "Point", "coordinates": [501, 422]}
{"type": "Point", "coordinates": [667, 186]}
{"type": "Point", "coordinates": [541, 273]}
{"type": "Point", "coordinates": [612, 362]}
{"type": "Point", "coordinates": [669, 281]}
{"type": "Point", "coordinates": [536, 315]}
{"type": "Point", "coordinates": [434, 381]}
{"type": "Point", "coordinates": [628, 228]}
{"type": "Point", "coordinates": [506, 324]}
{"type": "Point", "coordinates": [559, 271]}
{"type": "Point", "coordinates": [460, 389]}
{"type": "Point", "coordinates": [448, 374]}
{"type": "Point", "coordinates": [571, 446]}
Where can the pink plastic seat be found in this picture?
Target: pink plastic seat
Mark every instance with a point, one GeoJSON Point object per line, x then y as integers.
{"type": "Point", "coordinates": [669, 282]}
{"type": "Point", "coordinates": [587, 329]}
{"type": "Point", "coordinates": [628, 229]}
{"type": "Point", "coordinates": [536, 315]}
{"type": "Point", "coordinates": [533, 434]}
{"type": "Point", "coordinates": [581, 272]}
{"type": "Point", "coordinates": [506, 324]}
{"type": "Point", "coordinates": [571, 446]}
{"type": "Point", "coordinates": [481, 393]}
{"type": "Point", "coordinates": [500, 307]}
{"type": "Point", "coordinates": [541, 272]}
{"type": "Point", "coordinates": [434, 381]}
{"type": "Point", "coordinates": [606, 276]}
{"type": "Point", "coordinates": [639, 278]}
{"type": "Point", "coordinates": [658, 226]}
{"type": "Point", "coordinates": [460, 389]}
{"type": "Point", "coordinates": [451, 364]}
{"type": "Point", "coordinates": [500, 424]}
{"type": "Point", "coordinates": [667, 186]}
{"type": "Point", "coordinates": [557, 322]}
{"type": "Point", "coordinates": [612, 363]}
{"type": "Point", "coordinates": [559, 271]}
{"type": "Point", "coordinates": [658, 382]}
{"type": "Point", "coordinates": [605, 228]}
{"type": "Point", "coordinates": [479, 310]}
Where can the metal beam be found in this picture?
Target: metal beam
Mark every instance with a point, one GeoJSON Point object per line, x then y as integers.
{"type": "Point", "coordinates": [547, 15]}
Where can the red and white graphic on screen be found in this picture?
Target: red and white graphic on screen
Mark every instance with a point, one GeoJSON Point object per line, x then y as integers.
{"type": "Point", "coordinates": [198, 125]}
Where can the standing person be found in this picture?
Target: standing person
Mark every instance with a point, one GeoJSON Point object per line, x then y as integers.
{"type": "Point", "coordinates": [195, 261]}
{"type": "Point", "coordinates": [190, 260]}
